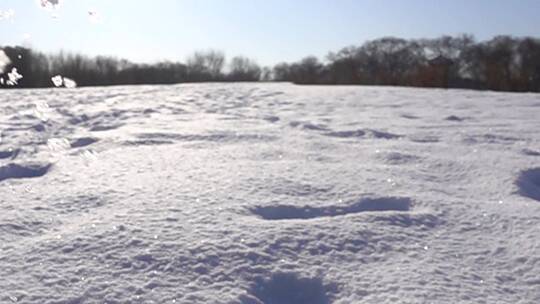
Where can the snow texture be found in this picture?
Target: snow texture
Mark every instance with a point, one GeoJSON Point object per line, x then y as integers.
{"type": "Point", "coordinates": [269, 193]}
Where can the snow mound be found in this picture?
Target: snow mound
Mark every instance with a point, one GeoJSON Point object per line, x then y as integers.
{"type": "Point", "coordinates": [79, 204]}
{"type": "Point", "coordinates": [397, 158]}
{"type": "Point", "coordinates": [271, 118]}
{"type": "Point", "coordinates": [105, 127]}
{"type": "Point", "coordinates": [220, 137]}
{"type": "Point", "coordinates": [347, 134]}
{"type": "Point", "coordinates": [23, 171]}
{"type": "Point", "coordinates": [288, 212]}
{"type": "Point", "coordinates": [148, 142]}
{"type": "Point", "coordinates": [528, 183]}
{"type": "Point", "coordinates": [409, 116]}
{"type": "Point", "coordinates": [490, 138]}
{"type": "Point", "coordinates": [530, 152]}
{"type": "Point", "coordinates": [363, 133]}
{"type": "Point", "coordinates": [454, 118]}
{"type": "Point", "coordinates": [83, 142]}
{"type": "Point", "coordinates": [424, 139]}
{"type": "Point", "coordinates": [308, 126]}
{"type": "Point", "coordinates": [11, 153]}
{"type": "Point", "coordinates": [289, 288]}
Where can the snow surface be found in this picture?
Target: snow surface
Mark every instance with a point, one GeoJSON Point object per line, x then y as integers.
{"type": "Point", "coordinates": [269, 193]}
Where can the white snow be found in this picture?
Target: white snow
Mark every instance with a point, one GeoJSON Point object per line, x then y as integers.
{"type": "Point", "coordinates": [41, 110]}
{"type": "Point", "coordinates": [59, 81]}
{"type": "Point", "coordinates": [4, 61]}
{"type": "Point", "coordinates": [269, 193]}
{"type": "Point", "coordinates": [7, 14]}
{"type": "Point", "coordinates": [13, 77]}
{"type": "Point", "coordinates": [69, 83]}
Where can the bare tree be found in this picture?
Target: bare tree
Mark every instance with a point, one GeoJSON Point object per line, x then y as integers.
{"type": "Point", "coordinates": [244, 69]}
{"type": "Point", "coordinates": [207, 65]}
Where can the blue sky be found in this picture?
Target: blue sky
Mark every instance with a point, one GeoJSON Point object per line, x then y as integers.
{"type": "Point", "coordinates": [269, 31]}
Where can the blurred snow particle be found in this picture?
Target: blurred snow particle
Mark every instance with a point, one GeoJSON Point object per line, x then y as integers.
{"type": "Point", "coordinates": [7, 15]}
{"type": "Point", "coordinates": [14, 77]}
{"type": "Point", "coordinates": [42, 110]}
{"type": "Point", "coordinates": [19, 56]}
{"type": "Point", "coordinates": [94, 16]}
{"type": "Point", "coordinates": [4, 61]}
{"type": "Point", "coordinates": [49, 4]}
{"type": "Point", "coordinates": [69, 83]}
{"type": "Point", "coordinates": [59, 81]}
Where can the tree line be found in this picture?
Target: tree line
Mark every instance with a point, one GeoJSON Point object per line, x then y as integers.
{"type": "Point", "coordinates": [38, 68]}
{"type": "Point", "coordinates": [503, 63]}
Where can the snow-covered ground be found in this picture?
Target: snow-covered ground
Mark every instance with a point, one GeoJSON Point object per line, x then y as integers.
{"type": "Point", "coordinates": [269, 193]}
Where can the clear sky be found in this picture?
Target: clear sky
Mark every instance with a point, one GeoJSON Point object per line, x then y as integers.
{"type": "Point", "coordinates": [269, 31]}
